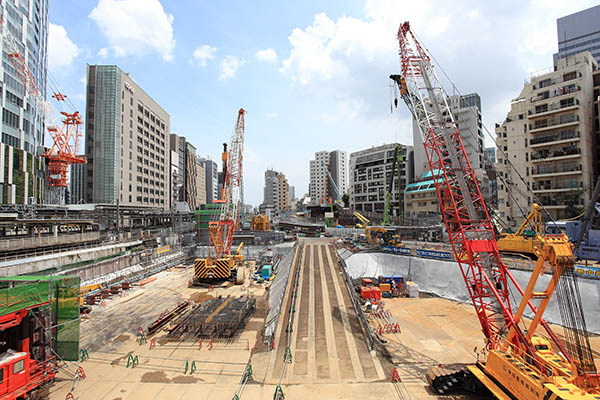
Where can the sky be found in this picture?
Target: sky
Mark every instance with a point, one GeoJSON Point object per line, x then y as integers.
{"type": "Point", "coordinates": [312, 75]}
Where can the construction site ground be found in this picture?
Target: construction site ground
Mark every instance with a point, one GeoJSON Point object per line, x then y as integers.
{"type": "Point", "coordinates": [329, 357]}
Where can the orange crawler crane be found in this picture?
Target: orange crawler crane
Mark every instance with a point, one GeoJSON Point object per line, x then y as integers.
{"type": "Point", "coordinates": [62, 154]}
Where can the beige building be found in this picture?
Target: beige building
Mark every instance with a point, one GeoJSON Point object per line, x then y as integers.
{"type": "Point", "coordinates": [547, 139]}
{"type": "Point", "coordinates": [127, 142]}
{"type": "Point", "coordinates": [284, 194]}
{"type": "Point", "coordinates": [200, 182]}
{"type": "Point", "coordinates": [420, 198]}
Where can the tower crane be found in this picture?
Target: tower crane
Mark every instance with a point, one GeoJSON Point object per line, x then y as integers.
{"type": "Point", "coordinates": [518, 363]}
{"type": "Point", "coordinates": [63, 151]}
{"type": "Point", "coordinates": [220, 264]}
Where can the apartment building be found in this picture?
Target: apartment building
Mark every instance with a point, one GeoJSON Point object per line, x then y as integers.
{"type": "Point", "coordinates": [319, 187]}
{"type": "Point", "coordinates": [547, 139]}
{"type": "Point", "coordinates": [77, 184]}
{"type": "Point", "coordinates": [466, 111]}
{"type": "Point", "coordinates": [285, 201]}
{"type": "Point", "coordinates": [370, 171]}
{"type": "Point", "coordinates": [420, 198]}
{"type": "Point", "coordinates": [127, 142]}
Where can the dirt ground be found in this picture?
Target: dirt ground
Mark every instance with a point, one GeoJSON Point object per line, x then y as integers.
{"type": "Point", "coordinates": [329, 357]}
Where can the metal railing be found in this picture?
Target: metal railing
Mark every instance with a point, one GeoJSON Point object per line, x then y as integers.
{"type": "Point", "coordinates": [564, 135]}
{"type": "Point", "coordinates": [558, 170]}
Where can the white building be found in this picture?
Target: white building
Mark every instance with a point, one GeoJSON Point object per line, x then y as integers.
{"type": "Point", "coordinates": [319, 187]}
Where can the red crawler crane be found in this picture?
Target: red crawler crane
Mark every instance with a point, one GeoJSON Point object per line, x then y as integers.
{"type": "Point", "coordinates": [518, 363]}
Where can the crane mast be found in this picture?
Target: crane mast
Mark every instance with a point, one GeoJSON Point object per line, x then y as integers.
{"type": "Point", "coordinates": [221, 231]}
{"type": "Point", "coordinates": [562, 368]}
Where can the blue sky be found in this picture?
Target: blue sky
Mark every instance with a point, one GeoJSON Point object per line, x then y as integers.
{"type": "Point", "coordinates": [312, 75]}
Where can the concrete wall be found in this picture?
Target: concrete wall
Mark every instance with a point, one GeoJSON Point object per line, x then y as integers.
{"type": "Point", "coordinates": [444, 279]}
{"type": "Point", "coordinates": [41, 241]}
{"type": "Point", "coordinates": [32, 265]}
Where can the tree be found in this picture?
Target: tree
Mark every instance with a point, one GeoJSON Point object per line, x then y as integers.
{"type": "Point", "coordinates": [346, 200]}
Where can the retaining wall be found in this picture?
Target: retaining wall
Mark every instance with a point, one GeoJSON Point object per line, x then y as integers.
{"type": "Point", "coordinates": [444, 279]}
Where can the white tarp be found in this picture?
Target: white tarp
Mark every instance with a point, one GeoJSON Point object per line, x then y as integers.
{"type": "Point", "coordinates": [443, 278]}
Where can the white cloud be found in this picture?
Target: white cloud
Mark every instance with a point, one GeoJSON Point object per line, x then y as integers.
{"type": "Point", "coordinates": [347, 61]}
{"type": "Point", "coordinates": [61, 50]}
{"type": "Point", "coordinates": [271, 115]}
{"type": "Point", "coordinates": [203, 54]}
{"type": "Point", "coordinates": [103, 52]}
{"type": "Point", "coordinates": [135, 27]}
{"type": "Point", "coordinates": [83, 80]}
{"type": "Point", "coordinates": [267, 55]}
{"type": "Point", "coordinates": [229, 66]}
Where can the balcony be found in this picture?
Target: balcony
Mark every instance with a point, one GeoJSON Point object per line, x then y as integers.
{"type": "Point", "coordinates": [547, 109]}
{"type": "Point", "coordinates": [556, 122]}
{"type": "Point", "coordinates": [546, 170]}
{"type": "Point", "coordinates": [561, 91]}
{"type": "Point", "coordinates": [555, 155]}
{"type": "Point", "coordinates": [550, 187]}
{"type": "Point", "coordinates": [548, 139]}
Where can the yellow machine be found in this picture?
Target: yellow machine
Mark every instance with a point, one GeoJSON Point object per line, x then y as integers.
{"type": "Point", "coordinates": [260, 223]}
{"type": "Point", "coordinates": [510, 368]}
{"type": "Point", "coordinates": [368, 229]}
{"type": "Point", "coordinates": [86, 289]}
{"type": "Point", "coordinates": [524, 241]}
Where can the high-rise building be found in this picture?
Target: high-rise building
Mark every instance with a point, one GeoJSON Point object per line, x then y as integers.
{"type": "Point", "coordinates": [177, 145]}
{"type": "Point", "coordinates": [284, 194]}
{"type": "Point", "coordinates": [292, 193]}
{"type": "Point", "coordinates": [466, 111]}
{"type": "Point", "coordinates": [191, 191]}
{"type": "Point", "coordinates": [579, 32]}
{"type": "Point", "coordinates": [200, 183]}
{"type": "Point", "coordinates": [370, 171]}
{"type": "Point", "coordinates": [22, 170]}
{"type": "Point", "coordinates": [547, 139]}
{"type": "Point", "coordinates": [211, 180]}
{"type": "Point", "coordinates": [77, 184]}
{"type": "Point", "coordinates": [127, 142]}
{"type": "Point", "coordinates": [319, 187]}
{"type": "Point", "coordinates": [176, 182]}
{"type": "Point", "coordinates": [271, 192]}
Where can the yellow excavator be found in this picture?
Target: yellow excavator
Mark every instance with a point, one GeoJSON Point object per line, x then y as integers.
{"type": "Point", "coordinates": [368, 229]}
{"type": "Point", "coordinates": [524, 241]}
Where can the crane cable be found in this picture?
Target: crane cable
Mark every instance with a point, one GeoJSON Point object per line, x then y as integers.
{"type": "Point", "coordinates": [535, 197]}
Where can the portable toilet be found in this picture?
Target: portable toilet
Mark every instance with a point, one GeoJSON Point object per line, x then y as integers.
{"type": "Point", "coordinates": [266, 271]}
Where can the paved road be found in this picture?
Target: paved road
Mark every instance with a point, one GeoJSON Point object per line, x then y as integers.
{"type": "Point", "coordinates": [327, 343]}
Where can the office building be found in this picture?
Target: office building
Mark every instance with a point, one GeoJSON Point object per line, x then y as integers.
{"type": "Point", "coordinates": [211, 179]}
{"type": "Point", "coordinates": [370, 172]}
{"type": "Point", "coordinates": [319, 187]}
{"type": "Point", "coordinates": [22, 170]}
{"type": "Point", "coordinates": [127, 142]}
{"type": "Point", "coordinates": [271, 193]}
{"type": "Point", "coordinates": [579, 32]}
{"type": "Point", "coordinates": [292, 193]}
{"type": "Point", "coordinates": [77, 184]}
{"type": "Point", "coordinates": [200, 183]}
{"type": "Point", "coordinates": [547, 138]}
{"type": "Point", "coordinates": [177, 145]}
{"type": "Point", "coordinates": [466, 111]}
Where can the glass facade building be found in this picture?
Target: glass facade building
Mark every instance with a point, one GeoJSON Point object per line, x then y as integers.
{"type": "Point", "coordinates": [22, 170]}
{"type": "Point", "coordinates": [579, 32]}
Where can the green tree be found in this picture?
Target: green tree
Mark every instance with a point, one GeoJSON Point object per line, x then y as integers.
{"type": "Point", "coordinates": [346, 200]}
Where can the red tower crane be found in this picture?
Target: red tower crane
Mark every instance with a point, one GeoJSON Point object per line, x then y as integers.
{"type": "Point", "coordinates": [518, 363]}
{"type": "Point", "coordinates": [66, 139]}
